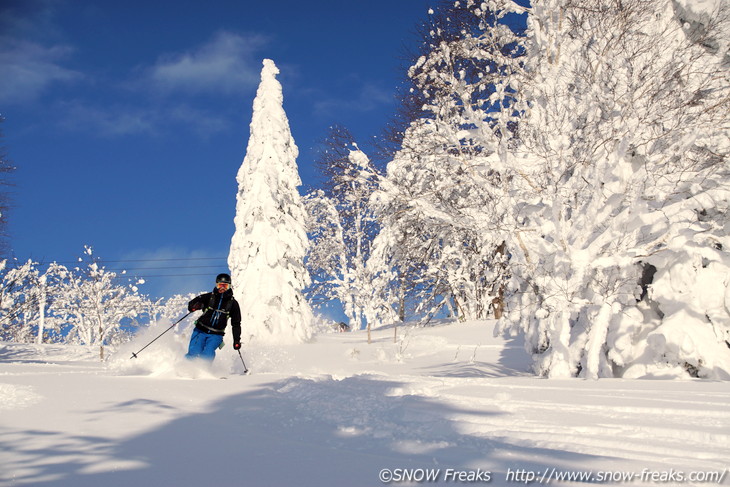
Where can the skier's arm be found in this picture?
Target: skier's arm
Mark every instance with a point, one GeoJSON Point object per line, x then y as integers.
{"type": "Point", "coordinates": [236, 322]}
{"type": "Point", "coordinates": [197, 303]}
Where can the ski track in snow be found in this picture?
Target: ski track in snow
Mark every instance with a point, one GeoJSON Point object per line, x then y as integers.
{"type": "Point", "coordinates": [337, 411]}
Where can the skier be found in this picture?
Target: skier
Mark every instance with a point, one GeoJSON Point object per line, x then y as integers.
{"type": "Point", "coordinates": [217, 307]}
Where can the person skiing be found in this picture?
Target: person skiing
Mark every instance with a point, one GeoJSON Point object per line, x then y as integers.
{"type": "Point", "coordinates": [217, 307]}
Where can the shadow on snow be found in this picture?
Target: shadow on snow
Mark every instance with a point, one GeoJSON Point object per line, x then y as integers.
{"type": "Point", "coordinates": [294, 431]}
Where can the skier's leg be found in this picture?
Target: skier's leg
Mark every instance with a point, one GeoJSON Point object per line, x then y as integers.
{"type": "Point", "coordinates": [195, 348]}
{"type": "Point", "coordinates": [212, 342]}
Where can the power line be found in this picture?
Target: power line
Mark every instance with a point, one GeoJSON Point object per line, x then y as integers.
{"type": "Point", "coordinates": [166, 260]}
{"type": "Point", "coordinates": [132, 273]}
{"type": "Point", "coordinates": [163, 275]}
{"type": "Point", "coordinates": [161, 268]}
{"type": "Point", "coordinates": [104, 261]}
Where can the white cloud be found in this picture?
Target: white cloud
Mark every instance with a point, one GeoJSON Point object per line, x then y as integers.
{"type": "Point", "coordinates": [227, 63]}
{"type": "Point", "coordinates": [29, 69]}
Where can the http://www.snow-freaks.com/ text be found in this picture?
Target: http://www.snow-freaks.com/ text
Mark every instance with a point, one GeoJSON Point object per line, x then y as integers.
{"type": "Point", "coordinates": [548, 476]}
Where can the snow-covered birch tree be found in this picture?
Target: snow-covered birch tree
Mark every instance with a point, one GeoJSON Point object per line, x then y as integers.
{"type": "Point", "coordinates": [96, 307]}
{"type": "Point", "coordinates": [439, 212]}
{"type": "Point", "coordinates": [270, 241]}
{"type": "Point", "coordinates": [27, 296]}
{"type": "Point", "coordinates": [16, 301]}
{"type": "Point", "coordinates": [44, 289]}
{"type": "Point", "coordinates": [342, 227]}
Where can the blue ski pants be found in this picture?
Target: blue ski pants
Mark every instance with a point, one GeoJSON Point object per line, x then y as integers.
{"type": "Point", "coordinates": [203, 345]}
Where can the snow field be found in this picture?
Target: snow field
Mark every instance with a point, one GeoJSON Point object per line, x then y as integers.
{"type": "Point", "coordinates": [337, 411]}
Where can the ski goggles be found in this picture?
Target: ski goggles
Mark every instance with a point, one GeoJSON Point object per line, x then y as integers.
{"type": "Point", "coordinates": [222, 285]}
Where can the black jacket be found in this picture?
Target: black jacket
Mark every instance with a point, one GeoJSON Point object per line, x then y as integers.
{"type": "Point", "coordinates": [217, 308]}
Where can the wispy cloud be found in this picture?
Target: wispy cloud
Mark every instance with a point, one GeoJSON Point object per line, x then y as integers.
{"type": "Point", "coordinates": [33, 66]}
{"type": "Point", "coordinates": [203, 122]}
{"type": "Point", "coordinates": [122, 120]}
{"type": "Point", "coordinates": [227, 63]}
{"type": "Point", "coordinates": [105, 121]}
{"type": "Point", "coordinates": [369, 97]}
{"type": "Point", "coordinates": [29, 69]}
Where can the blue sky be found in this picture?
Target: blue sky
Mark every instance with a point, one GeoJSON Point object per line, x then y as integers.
{"type": "Point", "coordinates": [128, 121]}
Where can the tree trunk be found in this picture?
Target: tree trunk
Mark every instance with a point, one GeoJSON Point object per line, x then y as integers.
{"type": "Point", "coordinates": [402, 299]}
{"type": "Point", "coordinates": [42, 310]}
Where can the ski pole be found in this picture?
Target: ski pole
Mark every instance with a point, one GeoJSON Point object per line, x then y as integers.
{"type": "Point", "coordinates": [134, 355]}
{"type": "Point", "coordinates": [245, 369]}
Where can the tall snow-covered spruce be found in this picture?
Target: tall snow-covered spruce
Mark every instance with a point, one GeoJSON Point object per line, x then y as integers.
{"type": "Point", "coordinates": [268, 247]}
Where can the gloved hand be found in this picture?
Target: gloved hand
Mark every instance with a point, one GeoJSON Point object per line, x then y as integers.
{"type": "Point", "coordinates": [196, 307]}
{"type": "Point", "coordinates": [236, 346]}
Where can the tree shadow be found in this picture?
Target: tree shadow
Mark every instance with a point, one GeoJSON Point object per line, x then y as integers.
{"type": "Point", "coordinates": [45, 354]}
{"type": "Point", "coordinates": [19, 355]}
{"type": "Point", "coordinates": [474, 369]}
{"type": "Point", "coordinates": [294, 431]}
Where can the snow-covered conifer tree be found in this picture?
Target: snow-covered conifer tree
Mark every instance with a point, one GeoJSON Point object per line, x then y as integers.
{"type": "Point", "coordinates": [268, 247]}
